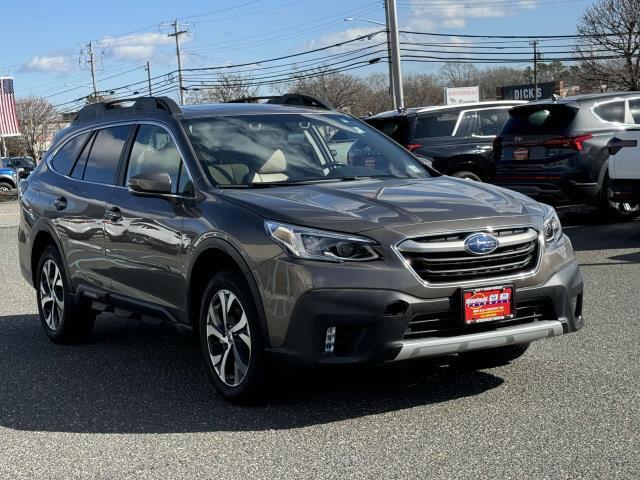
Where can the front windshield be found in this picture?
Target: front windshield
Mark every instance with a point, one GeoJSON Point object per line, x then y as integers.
{"type": "Point", "coordinates": [296, 148]}
{"type": "Point", "coordinates": [23, 162]}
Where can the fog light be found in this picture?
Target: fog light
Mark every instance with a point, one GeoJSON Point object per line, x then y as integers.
{"type": "Point", "coordinates": [330, 340]}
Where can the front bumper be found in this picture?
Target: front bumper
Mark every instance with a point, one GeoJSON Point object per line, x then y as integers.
{"type": "Point", "coordinates": [372, 325]}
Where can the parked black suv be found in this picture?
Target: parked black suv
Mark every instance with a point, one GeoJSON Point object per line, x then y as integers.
{"type": "Point", "coordinates": [265, 230]}
{"type": "Point", "coordinates": [457, 139]}
{"type": "Point", "coordinates": [557, 151]}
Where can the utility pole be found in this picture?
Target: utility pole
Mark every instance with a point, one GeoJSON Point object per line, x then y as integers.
{"type": "Point", "coordinates": [391, 88]}
{"type": "Point", "coordinates": [93, 71]}
{"type": "Point", "coordinates": [176, 33]}
{"type": "Point", "coordinates": [392, 26]}
{"type": "Point", "coordinates": [535, 67]}
{"type": "Point", "coordinates": [148, 69]}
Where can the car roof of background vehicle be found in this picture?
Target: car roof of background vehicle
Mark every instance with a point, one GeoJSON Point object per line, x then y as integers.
{"type": "Point", "coordinates": [576, 100]}
{"type": "Point", "coordinates": [459, 106]}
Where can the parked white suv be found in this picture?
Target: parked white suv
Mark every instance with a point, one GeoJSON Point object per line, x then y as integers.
{"type": "Point", "coordinates": [624, 167]}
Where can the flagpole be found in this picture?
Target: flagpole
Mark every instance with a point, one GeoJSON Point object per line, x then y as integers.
{"type": "Point", "coordinates": [4, 146]}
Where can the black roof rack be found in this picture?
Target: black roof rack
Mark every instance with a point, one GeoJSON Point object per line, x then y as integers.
{"type": "Point", "coordinates": [293, 99]}
{"type": "Point", "coordinates": [140, 104]}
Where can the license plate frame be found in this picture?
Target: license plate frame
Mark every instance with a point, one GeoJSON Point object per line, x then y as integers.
{"type": "Point", "coordinates": [521, 153]}
{"type": "Point", "coordinates": [486, 308]}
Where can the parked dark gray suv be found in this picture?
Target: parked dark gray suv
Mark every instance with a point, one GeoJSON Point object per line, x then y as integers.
{"type": "Point", "coordinates": [249, 225]}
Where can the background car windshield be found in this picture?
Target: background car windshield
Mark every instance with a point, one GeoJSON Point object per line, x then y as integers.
{"type": "Point", "coordinates": [288, 148]}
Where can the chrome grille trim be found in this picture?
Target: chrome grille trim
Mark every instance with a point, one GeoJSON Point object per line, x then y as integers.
{"type": "Point", "coordinates": [521, 247]}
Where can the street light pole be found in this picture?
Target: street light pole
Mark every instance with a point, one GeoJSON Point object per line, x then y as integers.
{"type": "Point", "coordinates": [392, 25]}
{"type": "Point", "coordinates": [93, 72]}
{"type": "Point", "coordinates": [535, 68]}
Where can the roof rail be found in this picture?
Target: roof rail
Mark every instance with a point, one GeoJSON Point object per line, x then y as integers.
{"type": "Point", "coordinates": [114, 107]}
{"type": "Point", "coordinates": [293, 99]}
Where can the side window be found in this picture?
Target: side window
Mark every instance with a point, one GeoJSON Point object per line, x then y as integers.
{"type": "Point", "coordinates": [102, 164]}
{"type": "Point", "coordinates": [66, 156]}
{"type": "Point", "coordinates": [81, 163]}
{"type": "Point", "coordinates": [634, 107]}
{"type": "Point", "coordinates": [154, 151]}
{"type": "Point", "coordinates": [466, 124]}
{"type": "Point", "coordinates": [185, 186]}
{"type": "Point", "coordinates": [611, 111]}
{"type": "Point", "coordinates": [490, 122]}
{"type": "Point", "coordinates": [435, 125]}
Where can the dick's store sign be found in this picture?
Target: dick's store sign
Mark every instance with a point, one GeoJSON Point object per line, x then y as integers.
{"type": "Point", "coordinates": [527, 91]}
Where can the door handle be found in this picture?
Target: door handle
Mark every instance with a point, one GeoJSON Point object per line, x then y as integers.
{"type": "Point", "coordinates": [60, 203]}
{"type": "Point", "coordinates": [113, 214]}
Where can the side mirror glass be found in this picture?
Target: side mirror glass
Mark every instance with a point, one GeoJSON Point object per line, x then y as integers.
{"type": "Point", "coordinates": [151, 183]}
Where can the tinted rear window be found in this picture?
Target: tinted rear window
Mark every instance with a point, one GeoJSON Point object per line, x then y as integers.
{"type": "Point", "coordinates": [396, 128]}
{"type": "Point", "coordinates": [539, 120]}
{"type": "Point", "coordinates": [66, 156]}
{"type": "Point", "coordinates": [436, 125]}
{"type": "Point", "coordinates": [105, 155]}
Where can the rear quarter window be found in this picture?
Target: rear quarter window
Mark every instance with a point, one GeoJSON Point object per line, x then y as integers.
{"type": "Point", "coordinates": [610, 111]}
{"type": "Point", "coordinates": [539, 120]}
{"type": "Point", "coordinates": [64, 159]}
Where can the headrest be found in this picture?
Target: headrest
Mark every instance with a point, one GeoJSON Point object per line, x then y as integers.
{"type": "Point", "coordinates": [276, 163]}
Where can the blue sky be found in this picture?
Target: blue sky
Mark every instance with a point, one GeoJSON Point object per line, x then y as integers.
{"type": "Point", "coordinates": [43, 39]}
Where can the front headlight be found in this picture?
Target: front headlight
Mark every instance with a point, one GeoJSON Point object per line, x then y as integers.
{"type": "Point", "coordinates": [313, 244]}
{"type": "Point", "coordinates": [552, 226]}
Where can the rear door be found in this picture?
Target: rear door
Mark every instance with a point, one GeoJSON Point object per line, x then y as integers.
{"type": "Point", "coordinates": [625, 164]}
{"type": "Point", "coordinates": [144, 233]}
{"type": "Point", "coordinates": [88, 165]}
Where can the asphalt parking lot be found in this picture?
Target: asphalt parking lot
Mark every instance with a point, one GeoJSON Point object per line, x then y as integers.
{"type": "Point", "coordinates": [135, 402]}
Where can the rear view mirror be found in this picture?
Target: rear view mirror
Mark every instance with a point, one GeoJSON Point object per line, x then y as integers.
{"type": "Point", "coordinates": [152, 183]}
{"type": "Point", "coordinates": [615, 144]}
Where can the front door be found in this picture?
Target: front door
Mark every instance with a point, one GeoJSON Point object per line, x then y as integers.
{"type": "Point", "coordinates": [143, 234]}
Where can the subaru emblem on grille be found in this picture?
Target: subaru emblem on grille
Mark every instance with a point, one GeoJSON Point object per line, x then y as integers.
{"type": "Point", "coordinates": [480, 243]}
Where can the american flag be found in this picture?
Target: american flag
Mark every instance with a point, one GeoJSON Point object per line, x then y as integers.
{"type": "Point", "coordinates": [8, 119]}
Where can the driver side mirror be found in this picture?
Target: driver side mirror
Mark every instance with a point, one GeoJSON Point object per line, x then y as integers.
{"type": "Point", "coordinates": [151, 183]}
{"type": "Point", "coordinates": [615, 144]}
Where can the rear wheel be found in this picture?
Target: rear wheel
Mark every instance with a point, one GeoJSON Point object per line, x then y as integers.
{"type": "Point", "coordinates": [616, 211]}
{"type": "Point", "coordinates": [466, 174]}
{"type": "Point", "coordinates": [5, 187]}
{"type": "Point", "coordinates": [231, 339]}
{"type": "Point", "coordinates": [62, 319]}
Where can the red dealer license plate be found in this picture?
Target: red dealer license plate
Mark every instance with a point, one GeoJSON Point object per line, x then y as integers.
{"type": "Point", "coordinates": [487, 304]}
{"type": "Point", "coordinates": [521, 153]}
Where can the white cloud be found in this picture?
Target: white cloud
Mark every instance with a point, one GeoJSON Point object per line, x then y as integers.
{"type": "Point", "coordinates": [448, 14]}
{"type": "Point", "coordinates": [48, 64]}
{"type": "Point", "coordinates": [135, 47]}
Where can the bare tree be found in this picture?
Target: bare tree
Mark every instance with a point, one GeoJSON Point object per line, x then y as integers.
{"type": "Point", "coordinates": [610, 28]}
{"type": "Point", "coordinates": [342, 90]}
{"type": "Point", "coordinates": [376, 96]}
{"type": "Point", "coordinates": [457, 74]}
{"type": "Point", "coordinates": [226, 87]}
{"type": "Point", "coordinates": [421, 90]}
{"type": "Point", "coordinates": [38, 122]}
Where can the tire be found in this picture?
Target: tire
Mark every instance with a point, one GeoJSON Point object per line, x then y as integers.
{"type": "Point", "coordinates": [493, 357]}
{"type": "Point", "coordinates": [62, 319]}
{"type": "Point", "coordinates": [466, 174]}
{"type": "Point", "coordinates": [615, 211]}
{"type": "Point", "coordinates": [231, 340]}
{"type": "Point", "coordinates": [5, 187]}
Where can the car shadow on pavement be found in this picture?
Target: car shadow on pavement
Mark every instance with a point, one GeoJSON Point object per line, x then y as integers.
{"type": "Point", "coordinates": [588, 231]}
{"type": "Point", "coordinates": [138, 378]}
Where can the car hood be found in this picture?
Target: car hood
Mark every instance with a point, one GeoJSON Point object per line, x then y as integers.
{"type": "Point", "coordinates": [357, 206]}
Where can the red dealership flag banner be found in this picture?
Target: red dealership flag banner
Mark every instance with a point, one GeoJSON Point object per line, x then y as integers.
{"type": "Point", "coordinates": [9, 126]}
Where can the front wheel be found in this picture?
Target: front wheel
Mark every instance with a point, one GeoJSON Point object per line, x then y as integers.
{"type": "Point", "coordinates": [62, 319]}
{"type": "Point", "coordinates": [231, 339]}
{"type": "Point", "coordinates": [466, 174]}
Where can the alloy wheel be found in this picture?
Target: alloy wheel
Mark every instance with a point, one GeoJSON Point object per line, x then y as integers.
{"type": "Point", "coordinates": [52, 295]}
{"type": "Point", "coordinates": [228, 338]}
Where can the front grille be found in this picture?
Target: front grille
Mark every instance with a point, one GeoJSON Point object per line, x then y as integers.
{"type": "Point", "coordinates": [450, 323]}
{"type": "Point", "coordinates": [444, 259]}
